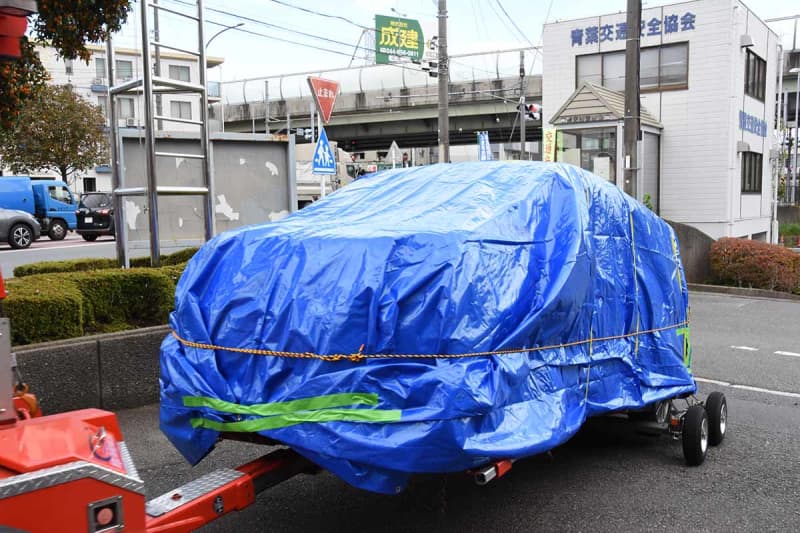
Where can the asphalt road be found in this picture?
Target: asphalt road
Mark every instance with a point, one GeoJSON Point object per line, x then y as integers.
{"type": "Point", "coordinates": [72, 247]}
{"type": "Point", "coordinates": [607, 478]}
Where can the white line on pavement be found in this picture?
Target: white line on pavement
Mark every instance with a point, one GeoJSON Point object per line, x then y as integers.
{"type": "Point", "coordinates": [790, 354]}
{"type": "Point", "coordinates": [748, 387]}
{"type": "Point", "coordinates": [713, 382]}
{"type": "Point", "coordinates": [745, 348]}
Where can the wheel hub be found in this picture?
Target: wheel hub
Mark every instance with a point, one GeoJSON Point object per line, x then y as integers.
{"type": "Point", "coordinates": [704, 435]}
{"type": "Point", "coordinates": [723, 418]}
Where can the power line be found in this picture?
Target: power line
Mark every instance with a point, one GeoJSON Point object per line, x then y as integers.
{"type": "Point", "coordinates": [500, 5]}
{"type": "Point", "coordinates": [267, 24]}
{"type": "Point", "coordinates": [320, 14]}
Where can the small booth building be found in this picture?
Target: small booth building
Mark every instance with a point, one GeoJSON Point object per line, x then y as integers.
{"type": "Point", "coordinates": [708, 85]}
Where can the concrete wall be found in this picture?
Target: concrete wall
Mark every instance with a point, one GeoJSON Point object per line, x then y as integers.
{"type": "Point", "coordinates": [694, 246]}
{"type": "Point", "coordinates": [110, 371]}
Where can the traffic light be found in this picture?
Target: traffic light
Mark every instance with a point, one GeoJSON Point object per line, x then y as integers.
{"type": "Point", "coordinates": [532, 111]}
{"type": "Point", "coordinates": [13, 23]}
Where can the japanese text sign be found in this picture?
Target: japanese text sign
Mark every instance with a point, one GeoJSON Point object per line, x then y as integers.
{"type": "Point", "coordinates": [549, 140]}
{"type": "Point", "coordinates": [752, 124]}
{"type": "Point", "coordinates": [398, 37]}
{"type": "Point", "coordinates": [619, 31]}
{"type": "Point", "coordinates": [324, 92]}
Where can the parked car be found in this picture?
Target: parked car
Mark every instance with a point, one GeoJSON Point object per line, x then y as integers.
{"type": "Point", "coordinates": [18, 228]}
{"type": "Point", "coordinates": [95, 215]}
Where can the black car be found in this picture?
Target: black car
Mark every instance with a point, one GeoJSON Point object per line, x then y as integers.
{"type": "Point", "coordinates": [95, 215]}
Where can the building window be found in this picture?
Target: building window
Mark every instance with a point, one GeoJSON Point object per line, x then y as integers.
{"type": "Point", "coordinates": [179, 72]}
{"type": "Point", "coordinates": [589, 68]}
{"type": "Point", "coordinates": [592, 149]}
{"type": "Point", "coordinates": [89, 184]}
{"type": "Point", "coordinates": [124, 69]}
{"type": "Point", "coordinates": [755, 76]}
{"type": "Point", "coordinates": [181, 109]}
{"type": "Point", "coordinates": [102, 101]}
{"type": "Point", "coordinates": [68, 67]}
{"type": "Point", "coordinates": [751, 172]}
{"type": "Point", "coordinates": [661, 68]}
{"type": "Point", "coordinates": [125, 108]}
{"type": "Point", "coordinates": [100, 67]}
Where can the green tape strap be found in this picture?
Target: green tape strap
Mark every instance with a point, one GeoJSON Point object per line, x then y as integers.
{"type": "Point", "coordinates": [291, 419]}
{"type": "Point", "coordinates": [687, 347]}
{"type": "Point", "coordinates": [282, 408]}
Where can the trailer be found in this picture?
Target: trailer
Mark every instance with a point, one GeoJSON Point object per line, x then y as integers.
{"type": "Point", "coordinates": [80, 460]}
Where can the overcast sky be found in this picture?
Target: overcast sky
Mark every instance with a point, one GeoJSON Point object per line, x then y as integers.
{"type": "Point", "coordinates": [473, 25]}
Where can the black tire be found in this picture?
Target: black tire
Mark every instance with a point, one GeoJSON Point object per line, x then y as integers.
{"type": "Point", "coordinates": [717, 409]}
{"type": "Point", "coordinates": [90, 238]}
{"type": "Point", "coordinates": [58, 230]}
{"type": "Point", "coordinates": [695, 435]}
{"type": "Point", "coordinates": [20, 236]}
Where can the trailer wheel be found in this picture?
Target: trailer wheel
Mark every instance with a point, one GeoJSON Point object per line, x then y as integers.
{"type": "Point", "coordinates": [20, 236]}
{"type": "Point", "coordinates": [717, 409]}
{"type": "Point", "coordinates": [58, 230]}
{"type": "Point", "coordinates": [695, 435]}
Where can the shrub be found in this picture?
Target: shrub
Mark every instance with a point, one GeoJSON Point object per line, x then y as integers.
{"type": "Point", "coordinates": [122, 299]}
{"type": "Point", "coordinates": [83, 265]}
{"type": "Point", "coordinates": [62, 305]}
{"type": "Point", "coordinates": [44, 307]}
{"type": "Point", "coordinates": [790, 229]}
{"type": "Point", "coordinates": [747, 263]}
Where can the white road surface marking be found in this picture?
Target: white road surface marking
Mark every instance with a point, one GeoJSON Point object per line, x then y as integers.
{"type": "Point", "coordinates": [745, 348]}
{"type": "Point", "coordinates": [748, 387]}
{"type": "Point", "coordinates": [790, 354]}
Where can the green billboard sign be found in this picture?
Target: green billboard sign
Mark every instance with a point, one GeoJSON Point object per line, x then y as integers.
{"type": "Point", "coordinates": [398, 37]}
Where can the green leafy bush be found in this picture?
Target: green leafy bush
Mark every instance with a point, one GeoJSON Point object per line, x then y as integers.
{"type": "Point", "coordinates": [83, 265]}
{"type": "Point", "coordinates": [47, 307]}
{"type": "Point", "coordinates": [790, 229]}
{"type": "Point", "coordinates": [746, 263]}
{"type": "Point", "coordinates": [43, 307]}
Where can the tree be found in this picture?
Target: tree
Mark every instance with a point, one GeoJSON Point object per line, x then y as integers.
{"type": "Point", "coordinates": [67, 25]}
{"type": "Point", "coordinates": [55, 130]}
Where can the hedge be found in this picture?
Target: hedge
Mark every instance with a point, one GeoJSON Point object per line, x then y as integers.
{"type": "Point", "coordinates": [55, 306]}
{"type": "Point", "coordinates": [746, 263]}
{"type": "Point", "coordinates": [83, 265]}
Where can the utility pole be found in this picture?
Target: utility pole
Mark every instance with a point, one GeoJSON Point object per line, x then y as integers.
{"type": "Point", "coordinates": [444, 82]}
{"type": "Point", "coordinates": [157, 66]}
{"type": "Point", "coordinates": [522, 114]}
{"type": "Point", "coordinates": [632, 104]}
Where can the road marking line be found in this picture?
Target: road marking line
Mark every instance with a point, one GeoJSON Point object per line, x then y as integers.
{"type": "Point", "coordinates": [713, 381]}
{"type": "Point", "coordinates": [745, 348]}
{"type": "Point", "coordinates": [791, 354]}
{"type": "Point", "coordinates": [768, 391]}
{"type": "Point", "coordinates": [748, 387]}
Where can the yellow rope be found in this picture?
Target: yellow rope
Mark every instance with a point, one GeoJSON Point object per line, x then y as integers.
{"type": "Point", "coordinates": [360, 355]}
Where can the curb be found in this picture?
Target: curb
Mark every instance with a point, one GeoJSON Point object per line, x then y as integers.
{"type": "Point", "coordinates": [743, 291]}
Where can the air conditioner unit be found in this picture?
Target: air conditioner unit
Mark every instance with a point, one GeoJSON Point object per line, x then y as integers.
{"type": "Point", "coordinates": [99, 81]}
{"type": "Point", "coordinates": [130, 122]}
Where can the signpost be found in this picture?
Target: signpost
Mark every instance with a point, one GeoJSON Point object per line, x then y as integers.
{"type": "Point", "coordinates": [395, 153]}
{"type": "Point", "coordinates": [398, 37]}
{"type": "Point", "coordinates": [324, 163]}
{"type": "Point", "coordinates": [325, 92]}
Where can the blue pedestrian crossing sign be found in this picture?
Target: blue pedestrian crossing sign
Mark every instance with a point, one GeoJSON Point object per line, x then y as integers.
{"type": "Point", "coordinates": [324, 161]}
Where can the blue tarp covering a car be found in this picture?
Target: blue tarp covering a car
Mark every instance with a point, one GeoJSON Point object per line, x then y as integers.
{"type": "Point", "coordinates": [429, 320]}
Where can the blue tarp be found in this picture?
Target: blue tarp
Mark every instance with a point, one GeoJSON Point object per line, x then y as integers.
{"type": "Point", "coordinates": [578, 285]}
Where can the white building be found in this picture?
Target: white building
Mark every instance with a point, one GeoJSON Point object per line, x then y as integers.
{"type": "Point", "coordinates": [708, 85]}
{"type": "Point", "coordinates": [89, 81]}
